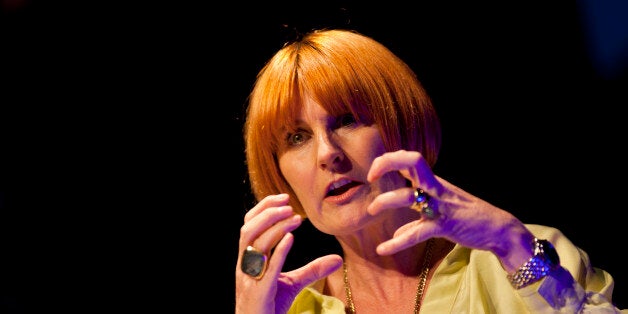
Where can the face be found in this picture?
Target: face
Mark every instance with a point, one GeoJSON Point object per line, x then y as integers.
{"type": "Point", "coordinates": [326, 160]}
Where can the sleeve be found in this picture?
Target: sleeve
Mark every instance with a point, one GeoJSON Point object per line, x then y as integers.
{"type": "Point", "coordinates": [576, 287]}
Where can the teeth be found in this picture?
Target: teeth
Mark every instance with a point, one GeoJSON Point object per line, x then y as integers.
{"type": "Point", "coordinates": [338, 184]}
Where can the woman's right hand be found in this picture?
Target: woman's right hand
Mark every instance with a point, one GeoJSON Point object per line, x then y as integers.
{"type": "Point", "coordinates": [267, 228]}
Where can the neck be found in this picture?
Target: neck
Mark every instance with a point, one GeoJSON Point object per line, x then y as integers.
{"type": "Point", "coordinates": [426, 264]}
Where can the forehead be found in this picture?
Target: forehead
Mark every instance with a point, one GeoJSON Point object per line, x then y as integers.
{"type": "Point", "coordinates": [307, 108]}
{"type": "Point", "coordinates": [311, 110]}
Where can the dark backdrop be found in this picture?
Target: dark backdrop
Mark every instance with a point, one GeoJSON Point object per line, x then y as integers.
{"type": "Point", "coordinates": [125, 186]}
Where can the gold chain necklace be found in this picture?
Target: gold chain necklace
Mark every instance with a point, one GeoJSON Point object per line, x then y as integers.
{"type": "Point", "coordinates": [420, 288]}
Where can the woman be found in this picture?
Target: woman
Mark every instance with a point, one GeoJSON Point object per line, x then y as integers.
{"type": "Point", "coordinates": [340, 131]}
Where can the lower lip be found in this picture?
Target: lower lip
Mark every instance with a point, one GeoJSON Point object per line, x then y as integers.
{"type": "Point", "coordinates": [343, 198]}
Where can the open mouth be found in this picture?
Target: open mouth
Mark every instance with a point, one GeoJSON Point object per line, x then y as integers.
{"type": "Point", "coordinates": [341, 189]}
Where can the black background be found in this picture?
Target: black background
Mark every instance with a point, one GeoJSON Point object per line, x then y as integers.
{"type": "Point", "coordinates": [123, 178]}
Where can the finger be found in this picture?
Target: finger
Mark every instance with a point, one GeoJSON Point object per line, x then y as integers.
{"type": "Point", "coordinates": [403, 197]}
{"type": "Point", "coordinates": [280, 253]}
{"type": "Point", "coordinates": [408, 235]}
{"type": "Point", "coordinates": [393, 161]}
{"type": "Point", "coordinates": [268, 201]}
{"type": "Point", "coordinates": [399, 242]}
{"type": "Point", "coordinates": [266, 229]}
{"type": "Point", "coordinates": [270, 238]}
{"type": "Point", "coordinates": [269, 265]}
{"type": "Point", "coordinates": [313, 271]}
{"type": "Point", "coordinates": [410, 164]}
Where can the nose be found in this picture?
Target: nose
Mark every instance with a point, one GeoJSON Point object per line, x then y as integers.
{"type": "Point", "coordinates": [329, 152]}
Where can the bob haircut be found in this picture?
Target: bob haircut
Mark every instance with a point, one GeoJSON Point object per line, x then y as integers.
{"type": "Point", "coordinates": [343, 71]}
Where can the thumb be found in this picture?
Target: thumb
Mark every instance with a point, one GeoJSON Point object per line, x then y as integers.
{"type": "Point", "coordinates": [316, 269]}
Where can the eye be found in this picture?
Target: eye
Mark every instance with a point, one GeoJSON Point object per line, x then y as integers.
{"type": "Point", "coordinates": [346, 120]}
{"type": "Point", "coordinates": [297, 138]}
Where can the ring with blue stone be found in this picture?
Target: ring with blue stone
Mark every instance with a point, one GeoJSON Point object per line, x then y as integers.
{"type": "Point", "coordinates": [254, 262]}
{"type": "Point", "coordinates": [422, 203]}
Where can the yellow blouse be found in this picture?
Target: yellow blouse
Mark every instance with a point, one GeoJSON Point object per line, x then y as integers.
{"type": "Point", "coordinates": [473, 281]}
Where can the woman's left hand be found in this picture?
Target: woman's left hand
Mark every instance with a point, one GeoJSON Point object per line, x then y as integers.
{"type": "Point", "coordinates": [460, 217]}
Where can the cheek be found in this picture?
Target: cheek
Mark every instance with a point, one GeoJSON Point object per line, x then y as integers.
{"type": "Point", "coordinates": [292, 168]}
{"type": "Point", "coordinates": [370, 145]}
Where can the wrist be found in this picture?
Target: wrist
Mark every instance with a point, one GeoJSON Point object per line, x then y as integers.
{"type": "Point", "coordinates": [543, 262]}
{"type": "Point", "coordinates": [516, 250]}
